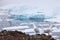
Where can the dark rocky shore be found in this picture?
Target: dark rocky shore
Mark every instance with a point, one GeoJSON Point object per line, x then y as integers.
{"type": "Point", "coordinates": [16, 35]}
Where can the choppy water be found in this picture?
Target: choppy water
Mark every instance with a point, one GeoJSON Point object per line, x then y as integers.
{"type": "Point", "coordinates": [30, 29]}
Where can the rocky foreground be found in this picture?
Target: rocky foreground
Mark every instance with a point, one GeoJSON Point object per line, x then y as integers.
{"type": "Point", "coordinates": [16, 35]}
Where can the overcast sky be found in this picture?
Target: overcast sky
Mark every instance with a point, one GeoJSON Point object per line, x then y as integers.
{"type": "Point", "coordinates": [48, 6]}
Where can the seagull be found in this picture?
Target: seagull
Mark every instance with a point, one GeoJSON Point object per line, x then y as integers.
{"type": "Point", "coordinates": [49, 29]}
{"type": "Point", "coordinates": [36, 29]}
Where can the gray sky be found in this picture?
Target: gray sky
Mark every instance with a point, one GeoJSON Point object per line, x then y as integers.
{"type": "Point", "coordinates": [47, 6]}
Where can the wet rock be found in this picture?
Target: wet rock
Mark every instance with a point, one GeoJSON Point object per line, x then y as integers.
{"type": "Point", "coordinates": [16, 35]}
